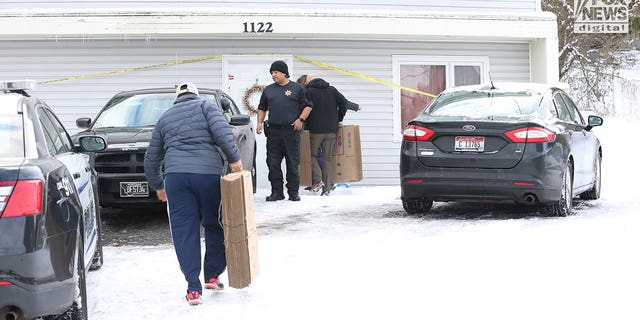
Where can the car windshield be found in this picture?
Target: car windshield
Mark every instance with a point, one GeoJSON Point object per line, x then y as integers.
{"type": "Point", "coordinates": [11, 137]}
{"type": "Point", "coordinates": [137, 111]}
{"type": "Point", "coordinates": [478, 104]}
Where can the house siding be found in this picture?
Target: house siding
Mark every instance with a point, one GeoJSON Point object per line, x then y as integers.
{"type": "Point", "coordinates": [84, 96]}
{"type": "Point", "coordinates": [378, 5]}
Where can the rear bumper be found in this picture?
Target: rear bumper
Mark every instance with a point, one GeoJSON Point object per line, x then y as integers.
{"type": "Point", "coordinates": [534, 177]}
{"type": "Point", "coordinates": [36, 303]}
{"type": "Point", "coordinates": [36, 288]}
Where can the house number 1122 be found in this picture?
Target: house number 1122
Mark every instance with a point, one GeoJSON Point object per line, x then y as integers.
{"type": "Point", "coordinates": [257, 27]}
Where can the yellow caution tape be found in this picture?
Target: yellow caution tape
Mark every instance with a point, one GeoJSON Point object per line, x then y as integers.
{"type": "Point", "coordinates": [324, 65]}
{"type": "Point", "coordinates": [362, 76]}
{"type": "Point", "coordinates": [132, 69]}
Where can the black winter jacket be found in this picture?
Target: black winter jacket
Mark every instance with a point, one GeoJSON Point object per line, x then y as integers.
{"type": "Point", "coordinates": [329, 107]}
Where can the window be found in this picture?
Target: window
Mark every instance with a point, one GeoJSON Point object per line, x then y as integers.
{"type": "Point", "coordinates": [563, 112]}
{"type": "Point", "coordinates": [135, 111]}
{"type": "Point", "coordinates": [11, 135]}
{"type": "Point", "coordinates": [573, 110]}
{"type": "Point", "coordinates": [430, 75]}
{"type": "Point", "coordinates": [57, 139]}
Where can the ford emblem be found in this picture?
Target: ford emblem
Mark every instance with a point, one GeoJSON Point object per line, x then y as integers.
{"type": "Point", "coordinates": [469, 127]}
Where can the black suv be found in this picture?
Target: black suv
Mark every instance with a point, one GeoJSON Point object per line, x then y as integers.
{"type": "Point", "coordinates": [49, 211]}
{"type": "Point", "coordinates": [127, 122]}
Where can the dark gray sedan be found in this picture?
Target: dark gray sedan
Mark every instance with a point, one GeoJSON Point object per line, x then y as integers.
{"type": "Point", "coordinates": [512, 142]}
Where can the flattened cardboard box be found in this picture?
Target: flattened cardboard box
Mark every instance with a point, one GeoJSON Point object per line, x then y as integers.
{"type": "Point", "coordinates": [305, 159]}
{"type": "Point", "coordinates": [347, 156]}
{"type": "Point", "coordinates": [240, 233]}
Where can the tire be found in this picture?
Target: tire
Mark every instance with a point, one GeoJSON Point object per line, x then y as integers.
{"type": "Point", "coordinates": [98, 257]}
{"type": "Point", "coordinates": [79, 309]}
{"type": "Point", "coordinates": [594, 192]}
{"type": "Point", "coordinates": [417, 206]}
{"type": "Point", "coordinates": [563, 207]}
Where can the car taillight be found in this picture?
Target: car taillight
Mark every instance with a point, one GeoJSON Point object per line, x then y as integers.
{"type": "Point", "coordinates": [5, 283]}
{"type": "Point", "coordinates": [530, 135]}
{"type": "Point", "coordinates": [20, 198]}
{"type": "Point", "coordinates": [417, 133]}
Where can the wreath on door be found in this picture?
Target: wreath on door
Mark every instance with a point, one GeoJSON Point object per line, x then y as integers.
{"type": "Point", "coordinates": [247, 96]}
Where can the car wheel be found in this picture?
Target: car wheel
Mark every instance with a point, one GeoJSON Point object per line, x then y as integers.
{"type": "Point", "coordinates": [594, 192]}
{"type": "Point", "coordinates": [417, 206]}
{"type": "Point", "coordinates": [98, 258]}
{"type": "Point", "coordinates": [563, 207]}
{"type": "Point", "coordinates": [79, 310]}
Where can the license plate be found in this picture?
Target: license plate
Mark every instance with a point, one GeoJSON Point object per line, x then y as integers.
{"type": "Point", "coordinates": [467, 143]}
{"type": "Point", "coordinates": [134, 189]}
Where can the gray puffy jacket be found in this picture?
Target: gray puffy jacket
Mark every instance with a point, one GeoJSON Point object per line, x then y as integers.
{"type": "Point", "coordinates": [186, 138]}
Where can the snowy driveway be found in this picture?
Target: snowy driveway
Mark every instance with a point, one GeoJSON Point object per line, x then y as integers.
{"type": "Point", "coordinates": [356, 255]}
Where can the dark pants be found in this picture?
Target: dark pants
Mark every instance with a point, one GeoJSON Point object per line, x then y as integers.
{"type": "Point", "coordinates": [193, 199]}
{"type": "Point", "coordinates": [283, 142]}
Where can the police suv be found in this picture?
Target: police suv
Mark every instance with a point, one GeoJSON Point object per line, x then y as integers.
{"type": "Point", "coordinates": [49, 212]}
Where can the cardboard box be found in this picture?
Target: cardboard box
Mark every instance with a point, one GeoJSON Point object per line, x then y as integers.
{"type": "Point", "coordinates": [348, 142]}
{"type": "Point", "coordinates": [347, 156]}
{"type": "Point", "coordinates": [240, 232]}
{"type": "Point", "coordinates": [347, 169]}
{"type": "Point", "coordinates": [304, 169]}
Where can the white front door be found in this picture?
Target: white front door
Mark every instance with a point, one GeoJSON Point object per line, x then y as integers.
{"type": "Point", "coordinates": [241, 73]}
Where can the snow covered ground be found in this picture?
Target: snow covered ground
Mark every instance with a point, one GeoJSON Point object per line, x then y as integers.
{"type": "Point", "coordinates": [356, 255]}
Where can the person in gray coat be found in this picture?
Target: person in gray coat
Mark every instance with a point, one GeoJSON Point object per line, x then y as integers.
{"type": "Point", "coordinates": [187, 138]}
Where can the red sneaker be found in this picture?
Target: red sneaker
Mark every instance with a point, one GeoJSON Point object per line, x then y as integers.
{"type": "Point", "coordinates": [193, 297]}
{"type": "Point", "coordinates": [213, 284]}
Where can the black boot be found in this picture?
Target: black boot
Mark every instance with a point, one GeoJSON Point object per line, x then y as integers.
{"type": "Point", "coordinates": [275, 197]}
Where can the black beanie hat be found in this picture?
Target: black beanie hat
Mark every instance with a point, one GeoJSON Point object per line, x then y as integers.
{"type": "Point", "coordinates": [281, 66]}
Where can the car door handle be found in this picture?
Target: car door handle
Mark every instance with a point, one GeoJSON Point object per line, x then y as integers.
{"type": "Point", "coordinates": [76, 175]}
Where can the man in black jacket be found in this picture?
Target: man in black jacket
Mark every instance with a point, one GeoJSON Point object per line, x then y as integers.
{"type": "Point", "coordinates": [288, 108]}
{"type": "Point", "coordinates": [329, 107]}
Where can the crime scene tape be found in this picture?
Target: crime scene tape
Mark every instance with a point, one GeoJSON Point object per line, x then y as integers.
{"type": "Point", "coordinates": [159, 65]}
{"type": "Point", "coordinates": [362, 76]}
{"type": "Point", "coordinates": [132, 69]}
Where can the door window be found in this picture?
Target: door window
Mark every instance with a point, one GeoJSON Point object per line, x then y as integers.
{"type": "Point", "coordinates": [561, 107]}
{"type": "Point", "coordinates": [429, 76]}
{"type": "Point", "coordinates": [57, 139]}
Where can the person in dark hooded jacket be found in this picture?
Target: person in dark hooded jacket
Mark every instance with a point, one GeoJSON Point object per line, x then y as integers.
{"type": "Point", "coordinates": [329, 108]}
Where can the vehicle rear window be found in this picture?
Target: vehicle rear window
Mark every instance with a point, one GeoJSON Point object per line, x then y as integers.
{"type": "Point", "coordinates": [11, 136]}
{"type": "Point", "coordinates": [136, 111]}
{"type": "Point", "coordinates": [484, 104]}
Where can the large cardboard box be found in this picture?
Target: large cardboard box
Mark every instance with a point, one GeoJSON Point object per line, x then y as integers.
{"type": "Point", "coordinates": [305, 159]}
{"type": "Point", "coordinates": [240, 233]}
{"type": "Point", "coordinates": [347, 156]}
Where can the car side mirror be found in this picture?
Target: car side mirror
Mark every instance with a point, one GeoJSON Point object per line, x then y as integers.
{"type": "Point", "coordinates": [225, 104]}
{"type": "Point", "coordinates": [240, 120]}
{"type": "Point", "coordinates": [83, 122]}
{"type": "Point", "coordinates": [92, 143]}
{"type": "Point", "coordinates": [593, 121]}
